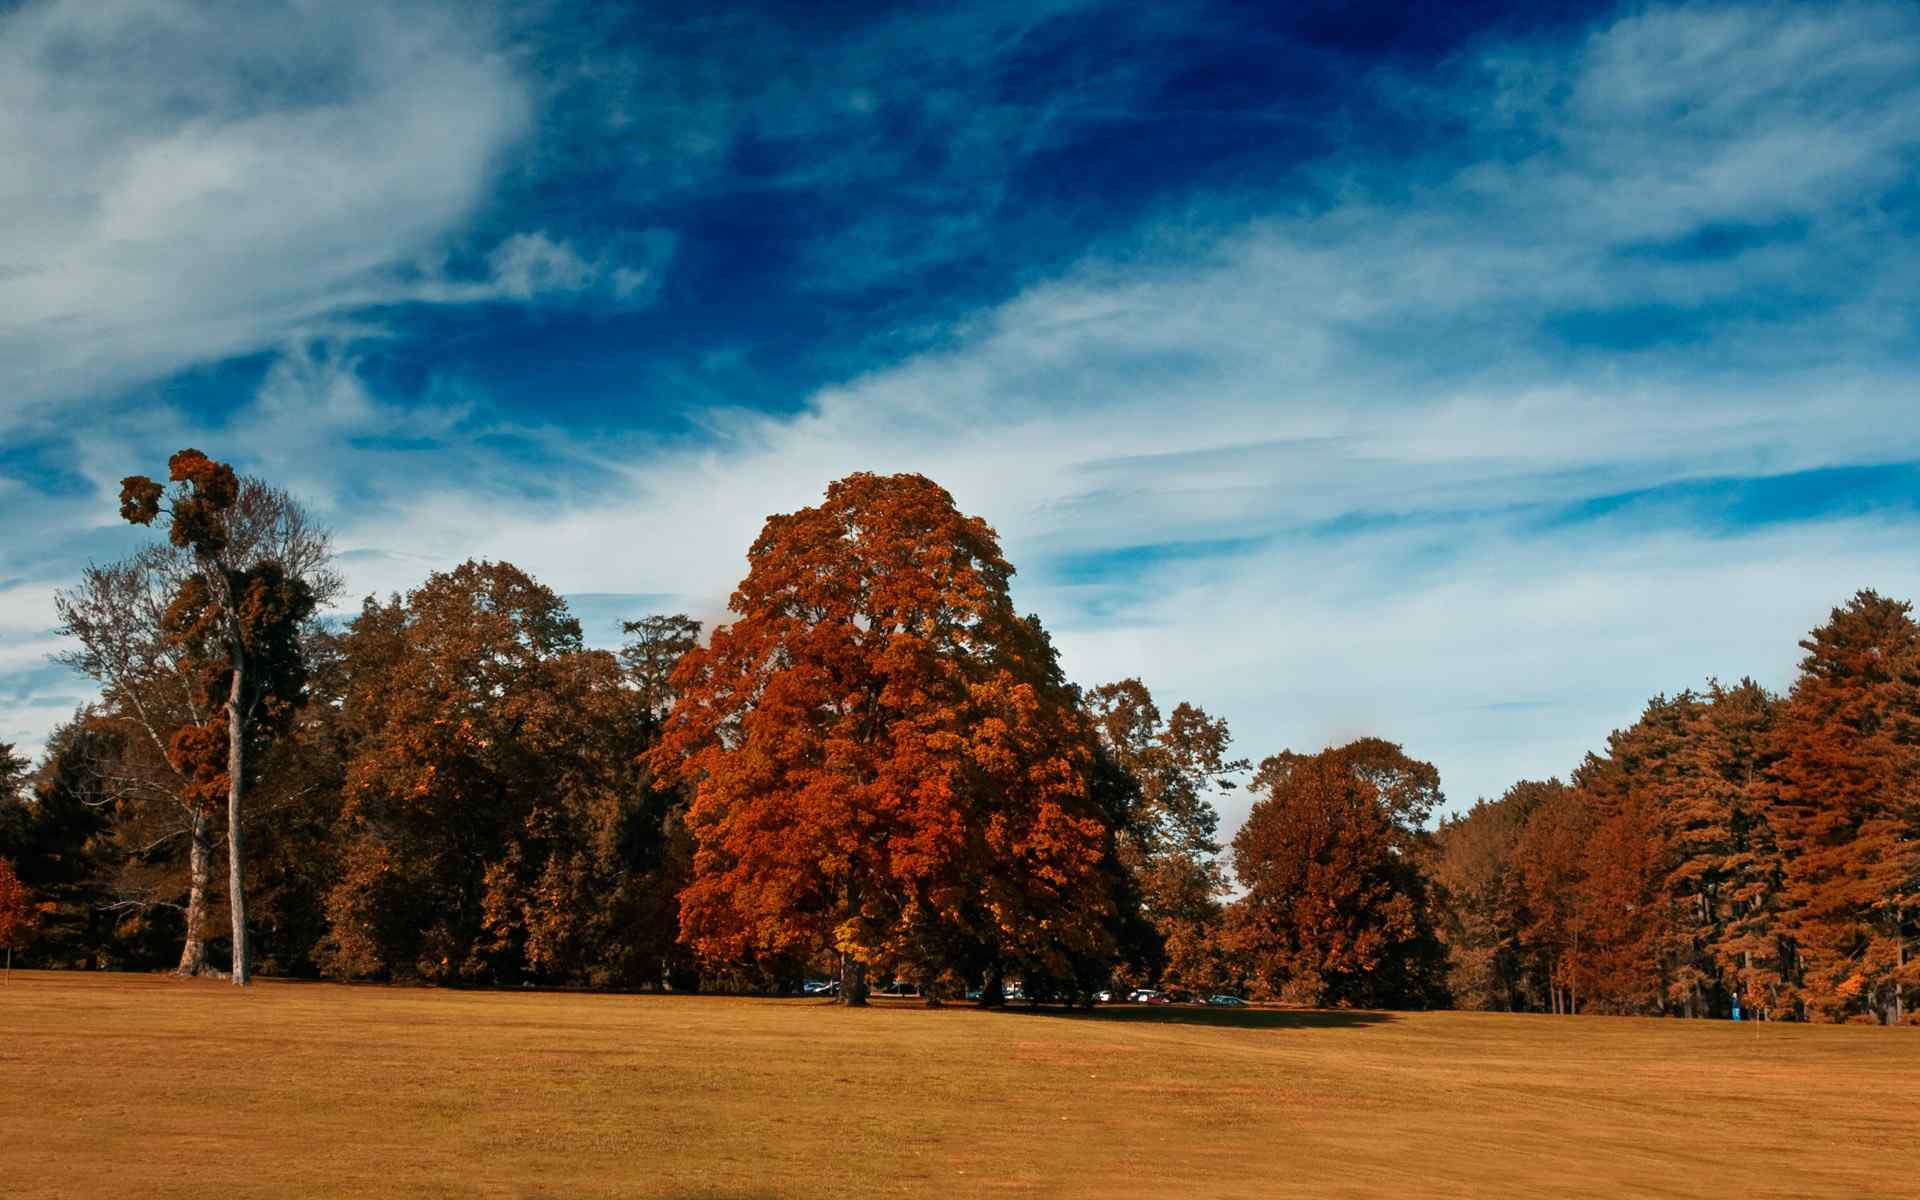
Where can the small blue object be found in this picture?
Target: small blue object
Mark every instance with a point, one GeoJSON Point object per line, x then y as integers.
{"type": "Point", "coordinates": [1736, 1012]}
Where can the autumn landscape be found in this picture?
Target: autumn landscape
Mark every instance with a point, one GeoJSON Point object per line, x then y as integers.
{"type": "Point", "coordinates": [891, 904]}
{"type": "Point", "coordinates": [1042, 598]}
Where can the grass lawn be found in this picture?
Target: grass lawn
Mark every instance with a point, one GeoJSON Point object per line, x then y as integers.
{"type": "Point", "coordinates": [148, 1086]}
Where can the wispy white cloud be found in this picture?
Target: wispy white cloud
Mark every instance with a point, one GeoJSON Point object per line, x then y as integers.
{"type": "Point", "coordinates": [188, 183]}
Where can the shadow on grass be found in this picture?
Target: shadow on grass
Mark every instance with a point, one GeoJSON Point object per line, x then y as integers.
{"type": "Point", "coordinates": [1219, 1018]}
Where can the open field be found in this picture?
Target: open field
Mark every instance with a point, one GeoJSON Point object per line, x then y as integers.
{"type": "Point", "coordinates": [146, 1086]}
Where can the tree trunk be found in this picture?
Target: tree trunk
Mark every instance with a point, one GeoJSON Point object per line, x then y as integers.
{"type": "Point", "coordinates": [993, 992]}
{"type": "Point", "coordinates": [853, 981]}
{"type": "Point", "coordinates": [1900, 966]}
{"type": "Point", "coordinates": [236, 849]}
{"type": "Point", "coordinates": [193, 955]}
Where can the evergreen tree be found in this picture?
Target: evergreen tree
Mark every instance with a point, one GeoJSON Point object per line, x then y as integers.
{"type": "Point", "coordinates": [1847, 811]}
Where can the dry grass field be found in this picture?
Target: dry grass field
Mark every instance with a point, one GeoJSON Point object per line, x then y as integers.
{"type": "Point", "coordinates": [145, 1086]}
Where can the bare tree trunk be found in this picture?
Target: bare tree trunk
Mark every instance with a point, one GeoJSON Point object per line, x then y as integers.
{"type": "Point", "coordinates": [236, 850]}
{"type": "Point", "coordinates": [193, 955]}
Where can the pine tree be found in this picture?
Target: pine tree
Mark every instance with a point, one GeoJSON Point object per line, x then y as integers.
{"type": "Point", "coordinates": [1740, 872]}
{"type": "Point", "coordinates": [1484, 897]}
{"type": "Point", "coordinates": [1551, 856]}
{"type": "Point", "coordinates": [1847, 811]}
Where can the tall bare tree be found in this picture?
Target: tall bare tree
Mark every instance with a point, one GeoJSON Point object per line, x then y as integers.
{"type": "Point", "coordinates": [243, 570]}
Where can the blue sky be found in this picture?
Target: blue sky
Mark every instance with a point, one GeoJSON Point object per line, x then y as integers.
{"type": "Point", "coordinates": [1461, 374]}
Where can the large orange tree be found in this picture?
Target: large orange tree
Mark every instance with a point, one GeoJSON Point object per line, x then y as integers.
{"type": "Point", "coordinates": [1333, 859]}
{"type": "Point", "coordinates": [494, 825]}
{"type": "Point", "coordinates": [887, 764]}
{"type": "Point", "coordinates": [1847, 811]}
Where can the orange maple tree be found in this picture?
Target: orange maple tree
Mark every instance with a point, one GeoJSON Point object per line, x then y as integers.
{"type": "Point", "coordinates": [19, 917]}
{"type": "Point", "coordinates": [1334, 909]}
{"type": "Point", "coordinates": [887, 764]}
{"type": "Point", "coordinates": [494, 825]}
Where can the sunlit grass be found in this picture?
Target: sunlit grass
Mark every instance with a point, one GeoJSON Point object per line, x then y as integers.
{"type": "Point", "coordinates": [147, 1086]}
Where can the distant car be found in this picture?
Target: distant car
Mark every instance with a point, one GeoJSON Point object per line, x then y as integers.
{"type": "Point", "coordinates": [1104, 997]}
{"type": "Point", "coordinates": [1142, 995]}
{"type": "Point", "coordinates": [1158, 998]}
{"type": "Point", "coordinates": [817, 987]}
{"type": "Point", "coordinates": [1226, 1002]}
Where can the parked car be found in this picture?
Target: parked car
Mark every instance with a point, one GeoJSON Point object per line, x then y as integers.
{"type": "Point", "coordinates": [821, 987]}
{"type": "Point", "coordinates": [1142, 995]}
{"type": "Point", "coordinates": [1104, 997]}
{"type": "Point", "coordinates": [1226, 1002]}
{"type": "Point", "coordinates": [1158, 998]}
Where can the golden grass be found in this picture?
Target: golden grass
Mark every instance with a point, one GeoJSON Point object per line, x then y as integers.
{"type": "Point", "coordinates": [147, 1086]}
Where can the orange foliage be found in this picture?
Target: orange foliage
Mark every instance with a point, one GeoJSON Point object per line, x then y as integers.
{"type": "Point", "coordinates": [19, 917]}
{"type": "Point", "coordinates": [886, 760]}
{"type": "Point", "coordinates": [494, 825]}
{"type": "Point", "coordinates": [1848, 810]}
{"type": "Point", "coordinates": [1331, 902]}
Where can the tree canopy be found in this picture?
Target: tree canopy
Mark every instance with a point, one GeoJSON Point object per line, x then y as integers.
{"type": "Point", "coordinates": [876, 765]}
{"type": "Point", "coordinates": [886, 762]}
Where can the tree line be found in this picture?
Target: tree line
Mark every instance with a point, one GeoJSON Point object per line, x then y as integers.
{"type": "Point", "coordinates": [877, 769]}
{"type": "Point", "coordinates": [1730, 849]}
